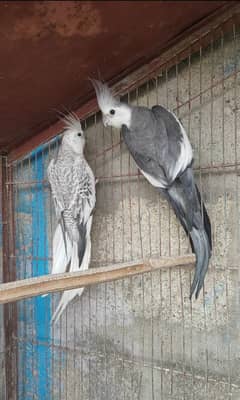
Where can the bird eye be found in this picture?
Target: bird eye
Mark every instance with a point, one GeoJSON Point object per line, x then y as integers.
{"type": "Point", "coordinates": [79, 134]}
{"type": "Point", "coordinates": [112, 112]}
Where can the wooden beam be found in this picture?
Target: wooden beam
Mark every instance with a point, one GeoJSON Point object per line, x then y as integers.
{"type": "Point", "coordinates": [22, 289]}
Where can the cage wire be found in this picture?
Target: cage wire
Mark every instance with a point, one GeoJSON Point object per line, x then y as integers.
{"type": "Point", "coordinates": [140, 337]}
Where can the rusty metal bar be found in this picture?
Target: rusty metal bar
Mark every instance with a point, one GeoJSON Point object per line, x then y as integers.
{"type": "Point", "coordinates": [31, 287]}
{"type": "Point", "coordinates": [217, 169]}
{"type": "Point", "coordinates": [79, 350]}
{"type": "Point", "coordinates": [188, 102]}
{"type": "Point", "coordinates": [9, 274]}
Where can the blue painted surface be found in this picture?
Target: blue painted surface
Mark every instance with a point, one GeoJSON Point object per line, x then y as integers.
{"type": "Point", "coordinates": [34, 314]}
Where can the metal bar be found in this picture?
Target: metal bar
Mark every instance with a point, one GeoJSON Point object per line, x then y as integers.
{"type": "Point", "coordinates": [4, 348]}
{"type": "Point", "coordinates": [81, 350]}
{"type": "Point", "coordinates": [197, 315]}
{"type": "Point", "coordinates": [225, 216]}
{"type": "Point", "coordinates": [180, 47]}
{"type": "Point", "coordinates": [25, 288]}
{"type": "Point", "coordinates": [10, 325]}
{"type": "Point", "coordinates": [191, 99]}
{"type": "Point", "coordinates": [217, 169]}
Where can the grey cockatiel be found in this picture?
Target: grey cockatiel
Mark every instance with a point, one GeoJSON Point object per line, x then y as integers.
{"type": "Point", "coordinates": [73, 191]}
{"type": "Point", "coordinates": [159, 145]}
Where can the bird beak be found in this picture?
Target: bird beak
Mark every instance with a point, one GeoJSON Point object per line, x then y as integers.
{"type": "Point", "coordinates": [105, 121]}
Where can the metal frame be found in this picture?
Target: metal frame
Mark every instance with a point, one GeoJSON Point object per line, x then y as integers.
{"type": "Point", "coordinates": [202, 36]}
{"type": "Point", "coordinates": [9, 274]}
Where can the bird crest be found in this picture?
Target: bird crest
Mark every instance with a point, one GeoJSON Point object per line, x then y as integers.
{"type": "Point", "coordinates": [72, 122]}
{"type": "Point", "coordinates": [104, 96]}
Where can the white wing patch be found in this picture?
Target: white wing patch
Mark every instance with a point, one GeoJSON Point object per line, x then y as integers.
{"type": "Point", "coordinates": [181, 164]}
{"type": "Point", "coordinates": [154, 182]}
{"type": "Point", "coordinates": [186, 153]}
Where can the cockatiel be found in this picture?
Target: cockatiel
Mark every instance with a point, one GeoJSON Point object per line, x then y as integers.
{"type": "Point", "coordinates": [161, 149]}
{"type": "Point", "coordinates": [73, 190]}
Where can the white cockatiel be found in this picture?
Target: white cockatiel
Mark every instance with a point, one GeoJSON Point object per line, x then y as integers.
{"type": "Point", "coordinates": [73, 190]}
{"type": "Point", "coordinates": [161, 149]}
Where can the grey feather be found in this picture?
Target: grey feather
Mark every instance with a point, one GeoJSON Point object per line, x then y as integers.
{"type": "Point", "coordinates": [161, 149]}
{"type": "Point", "coordinates": [155, 140]}
{"type": "Point", "coordinates": [82, 241]}
{"type": "Point", "coordinates": [184, 198]}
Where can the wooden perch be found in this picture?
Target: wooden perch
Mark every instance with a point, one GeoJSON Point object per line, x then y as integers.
{"type": "Point", "coordinates": [22, 289]}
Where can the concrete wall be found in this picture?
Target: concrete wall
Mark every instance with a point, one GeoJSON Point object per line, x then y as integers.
{"type": "Point", "coordinates": [141, 338]}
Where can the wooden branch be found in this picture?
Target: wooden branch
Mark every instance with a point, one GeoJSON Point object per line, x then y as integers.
{"type": "Point", "coordinates": [22, 289]}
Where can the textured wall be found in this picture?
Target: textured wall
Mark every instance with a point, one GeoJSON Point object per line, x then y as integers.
{"type": "Point", "coordinates": [141, 338]}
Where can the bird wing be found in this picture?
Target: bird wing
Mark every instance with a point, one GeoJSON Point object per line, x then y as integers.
{"type": "Point", "coordinates": [55, 180]}
{"type": "Point", "coordinates": [73, 189]}
{"type": "Point", "coordinates": [179, 155]}
{"type": "Point", "coordinates": [55, 183]}
{"type": "Point", "coordinates": [83, 196]}
{"type": "Point", "coordinates": [82, 203]}
{"type": "Point", "coordinates": [159, 145]}
{"type": "Point", "coordinates": [73, 192]}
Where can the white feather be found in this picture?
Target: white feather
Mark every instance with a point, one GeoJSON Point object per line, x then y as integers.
{"type": "Point", "coordinates": [72, 122]}
{"type": "Point", "coordinates": [122, 112]}
{"type": "Point", "coordinates": [66, 298]}
{"type": "Point", "coordinates": [104, 96]}
{"type": "Point", "coordinates": [87, 254]}
{"type": "Point", "coordinates": [69, 295]}
{"type": "Point", "coordinates": [73, 191]}
{"type": "Point", "coordinates": [61, 252]}
{"type": "Point", "coordinates": [186, 152]}
{"type": "Point", "coordinates": [154, 182]}
{"type": "Point", "coordinates": [122, 116]}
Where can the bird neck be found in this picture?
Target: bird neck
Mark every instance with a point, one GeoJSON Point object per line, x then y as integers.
{"type": "Point", "coordinates": [126, 115]}
{"type": "Point", "coordinates": [67, 154]}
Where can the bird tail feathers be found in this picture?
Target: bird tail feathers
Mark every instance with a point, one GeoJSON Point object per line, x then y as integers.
{"type": "Point", "coordinates": [206, 220]}
{"type": "Point", "coordinates": [185, 200]}
{"type": "Point", "coordinates": [62, 248]}
{"type": "Point", "coordinates": [69, 295]}
{"type": "Point", "coordinates": [202, 251]}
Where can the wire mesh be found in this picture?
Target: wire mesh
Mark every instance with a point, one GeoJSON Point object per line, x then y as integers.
{"type": "Point", "coordinates": [141, 337]}
{"type": "Point", "coordinates": [3, 351]}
